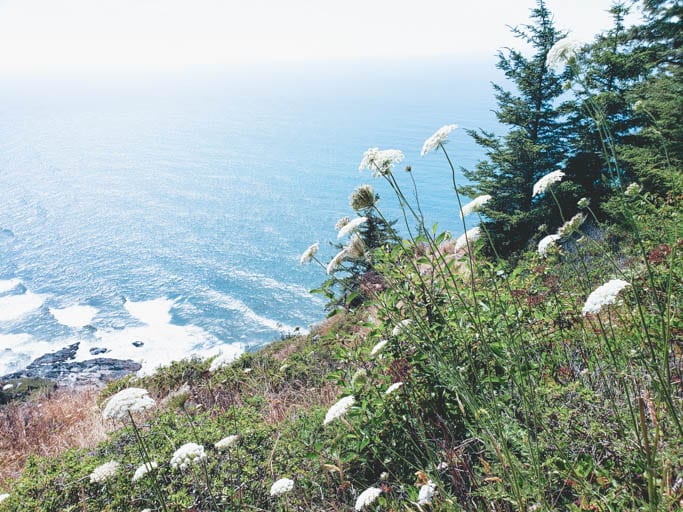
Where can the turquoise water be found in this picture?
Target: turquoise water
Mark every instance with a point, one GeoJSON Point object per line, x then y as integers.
{"type": "Point", "coordinates": [193, 197]}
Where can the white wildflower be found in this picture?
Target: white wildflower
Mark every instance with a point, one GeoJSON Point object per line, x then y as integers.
{"type": "Point", "coordinates": [401, 326]}
{"type": "Point", "coordinates": [226, 442]}
{"type": "Point", "coordinates": [363, 197]}
{"type": "Point", "coordinates": [474, 205]}
{"type": "Point", "coordinates": [342, 222]}
{"type": "Point", "coordinates": [104, 472]}
{"type": "Point", "coordinates": [604, 295]}
{"type": "Point", "coordinates": [356, 247]}
{"type": "Point", "coordinates": [3, 497]}
{"type": "Point", "coordinates": [542, 185]}
{"type": "Point", "coordinates": [351, 226]}
{"type": "Point", "coordinates": [632, 190]}
{"type": "Point", "coordinates": [143, 470]}
{"type": "Point", "coordinates": [309, 253]}
{"type": "Point", "coordinates": [471, 236]}
{"type": "Point", "coordinates": [378, 347]}
{"type": "Point", "coordinates": [546, 243]}
{"type": "Point", "coordinates": [146, 510]}
{"type": "Point", "coordinates": [583, 203]}
{"type": "Point", "coordinates": [379, 162]}
{"type": "Point", "coordinates": [336, 261]}
{"type": "Point", "coordinates": [339, 409]}
{"type": "Point", "coordinates": [426, 493]}
{"type": "Point", "coordinates": [561, 53]}
{"type": "Point", "coordinates": [438, 138]}
{"type": "Point", "coordinates": [367, 497]}
{"type": "Point", "coordinates": [128, 400]}
{"type": "Point", "coordinates": [187, 454]}
{"type": "Point", "coordinates": [393, 388]}
{"type": "Point", "coordinates": [282, 486]}
{"type": "Point", "coordinates": [571, 225]}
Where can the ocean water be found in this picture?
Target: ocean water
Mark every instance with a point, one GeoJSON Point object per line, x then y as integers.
{"type": "Point", "coordinates": [173, 211]}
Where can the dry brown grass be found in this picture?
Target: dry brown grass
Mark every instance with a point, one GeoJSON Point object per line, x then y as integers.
{"type": "Point", "coordinates": [47, 426]}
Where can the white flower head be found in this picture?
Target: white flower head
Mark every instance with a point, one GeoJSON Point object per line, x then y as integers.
{"type": "Point", "coordinates": [3, 497]}
{"type": "Point", "coordinates": [281, 486]}
{"type": "Point", "coordinates": [426, 493]}
{"type": "Point", "coordinates": [104, 472]}
{"type": "Point", "coordinates": [342, 222]}
{"type": "Point", "coordinates": [336, 261]}
{"type": "Point", "coordinates": [632, 190]}
{"type": "Point", "coordinates": [380, 162]}
{"type": "Point", "coordinates": [475, 205]}
{"type": "Point", "coordinates": [143, 470]}
{"type": "Point", "coordinates": [603, 295]}
{"type": "Point", "coordinates": [393, 388]}
{"type": "Point", "coordinates": [356, 247]}
{"type": "Point", "coordinates": [367, 497]}
{"type": "Point", "coordinates": [546, 243]}
{"type": "Point", "coordinates": [363, 197]}
{"type": "Point", "coordinates": [583, 203]}
{"type": "Point", "coordinates": [187, 454]}
{"type": "Point", "coordinates": [542, 185]}
{"type": "Point", "coordinates": [571, 226]}
{"type": "Point", "coordinates": [131, 400]}
{"type": "Point", "coordinates": [339, 409]}
{"type": "Point", "coordinates": [561, 53]}
{"type": "Point", "coordinates": [379, 347]}
{"type": "Point", "coordinates": [471, 236]}
{"type": "Point", "coordinates": [351, 226]}
{"type": "Point", "coordinates": [226, 442]}
{"type": "Point", "coordinates": [438, 138]}
{"type": "Point", "coordinates": [401, 327]}
{"type": "Point", "coordinates": [309, 253]}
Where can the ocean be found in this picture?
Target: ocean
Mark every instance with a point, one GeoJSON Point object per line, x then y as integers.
{"type": "Point", "coordinates": [164, 217]}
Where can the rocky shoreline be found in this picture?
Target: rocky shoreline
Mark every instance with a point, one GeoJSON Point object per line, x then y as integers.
{"type": "Point", "coordinates": [61, 368]}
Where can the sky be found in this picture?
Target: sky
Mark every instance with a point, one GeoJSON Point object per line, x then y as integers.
{"type": "Point", "coordinates": [103, 37]}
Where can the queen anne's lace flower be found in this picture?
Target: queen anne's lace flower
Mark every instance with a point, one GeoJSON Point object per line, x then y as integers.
{"type": "Point", "coordinates": [583, 203]}
{"type": "Point", "coordinates": [474, 205]}
{"type": "Point", "coordinates": [632, 190]}
{"type": "Point", "coordinates": [342, 222]}
{"type": "Point", "coordinates": [546, 243]}
{"type": "Point", "coordinates": [471, 236]}
{"type": "Point", "coordinates": [561, 53]}
{"type": "Point", "coordinates": [401, 326]}
{"type": "Point", "coordinates": [128, 400]}
{"type": "Point", "coordinates": [438, 138]}
{"type": "Point", "coordinates": [226, 442]}
{"type": "Point", "coordinates": [381, 162]}
{"type": "Point", "coordinates": [426, 493]}
{"type": "Point", "coordinates": [187, 454]}
{"type": "Point", "coordinates": [393, 388]}
{"type": "Point", "coordinates": [339, 409]}
{"type": "Point", "coordinates": [379, 347]}
{"type": "Point", "coordinates": [104, 472]}
{"type": "Point", "coordinates": [143, 470]}
{"type": "Point", "coordinates": [367, 497]}
{"type": "Point", "coordinates": [282, 486]}
{"type": "Point", "coordinates": [356, 247]}
{"type": "Point", "coordinates": [309, 253]}
{"type": "Point", "coordinates": [351, 226]}
{"type": "Point", "coordinates": [604, 295]}
{"type": "Point", "coordinates": [571, 225]}
{"type": "Point", "coordinates": [542, 185]}
{"type": "Point", "coordinates": [363, 197]}
{"type": "Point", "coordinates": [336, 261]}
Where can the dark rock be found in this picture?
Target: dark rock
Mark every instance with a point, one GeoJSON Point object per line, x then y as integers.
{"type": "Point", "coordinates": [138, 343]}
{"type": "Point", "coordinates": [98, 350]}
{"type": "Point", "coordinates": [61, 368]}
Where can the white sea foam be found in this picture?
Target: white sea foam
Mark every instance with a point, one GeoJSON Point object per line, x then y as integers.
{"type": "Point", "coordinates": [7, 285]}
{"type": "Point", "coordinates": [74, 316]}
{"type": "Point", "coordinates": [18, 350]}
{"type": "Point", "coordinates": [234, 304]}
{"type": "Point", "coordinates": [13, 307]}
{"type": "Point", "coordinates": [272, 284]}
{"type": "Point", "coordinates": [151, 312]}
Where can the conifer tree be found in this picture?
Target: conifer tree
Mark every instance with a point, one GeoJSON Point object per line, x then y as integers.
{"type": "Point", "coordinates": [533, 145]}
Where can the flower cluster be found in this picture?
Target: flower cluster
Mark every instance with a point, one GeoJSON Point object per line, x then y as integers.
{"type": "Point", "coordinates": [542, 185]}
{"type": "Point", "coordinates": [342, 222]}
{"type": "Point", "coordinates": [401, 326]}
{"type": "Point", "coordinates": [351, 226]}
{"type": "Point", "coordinates": [187, 454]}
{"type": "Point", "coordinates": [471, 236]}
{"type": "Point", "coordinates": [143, 470]}
{"type": "Point", "coordinates": [603, 295]}
{"type": "Point", "coordinates": [571, 226]}
{"type": "Point", "coordinates": [437, 139]}
{"type": "Point", "coordinates": [339, 409]}
{"type": "Point", "coordinates": [378, 347]}
{"type": "Point", "coordinates": [546, 243]}
{"type": "Point", "coordinates": [561, 53]}
{"type": "Point", "coordinates": [309, 253]}
{"type": "Point", "coordinates": [380, 162]}
{"type": "Point", "coordinates": [281, 486]}
{"type": "Point", "coordinates": [367, 497]}
{"type": "Point", "coordinates": [129, 400]}
{"type": "Point", "coordinates": [426, 493]}
{"type": "Point", "coordinates": [104, 472]}
{"type": "Point", "coordinates": [393, 388]}
{"type": "Point", "coordinates": [226, 442]}
{"type": "Point", "coordinates": [363, 197]}
{"type": "Point", "coordinates": [475, 205]}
